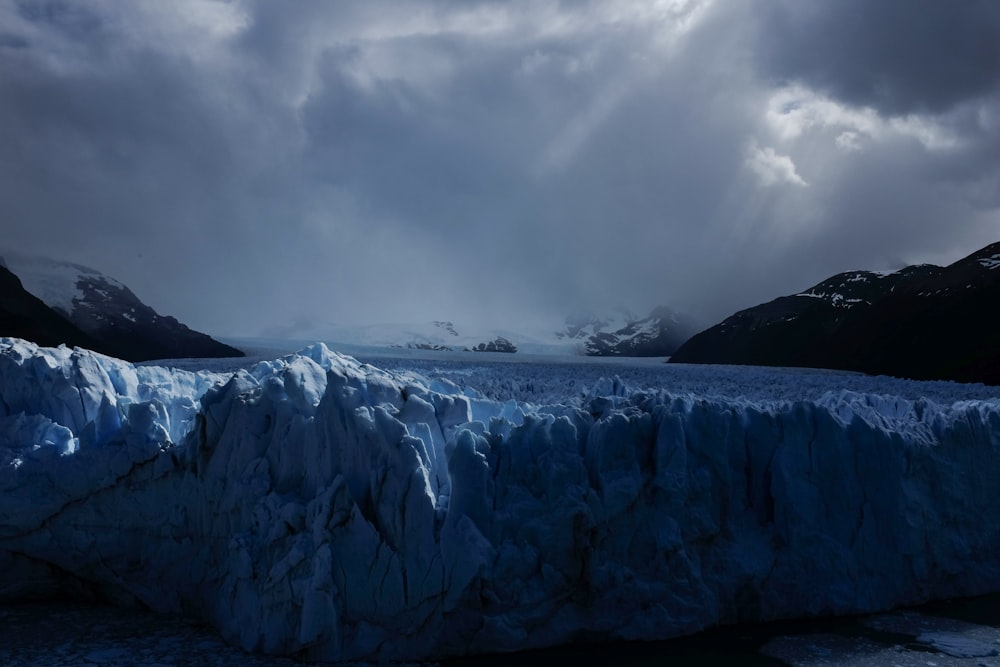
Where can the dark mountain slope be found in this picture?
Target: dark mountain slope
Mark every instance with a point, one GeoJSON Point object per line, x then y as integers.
{"type": "Point", "coordinates": [108, 313]}
{"type": "Point", "coordinates": [23, 315]}
{"type": "Point", "coordinates": [923, 322]}
{"type": "Point", "coordinates": [112, 314]}
{"type": "Point", "coordinates": [944, 328]}
{"type": "Point", "coordinates": [795, 330]}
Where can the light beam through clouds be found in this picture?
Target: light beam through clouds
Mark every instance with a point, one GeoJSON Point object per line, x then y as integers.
{"type": "Point", "coordinates": [772, 168]}
{"type": "Point", "coordinates": [244, 163]}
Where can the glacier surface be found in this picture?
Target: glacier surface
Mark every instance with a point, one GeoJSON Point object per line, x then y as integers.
{"type": "Point", "coordinates": [318, 506]}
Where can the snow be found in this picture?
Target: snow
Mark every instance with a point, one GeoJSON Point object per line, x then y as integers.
{"type": "Point", "coordinates": [456, 336]}
{"type": "Point", "coordinates": [831, 296]}
{"type": "Point", "coordinates": [320, 506]}
{"type": "Point", "coordinates": [835, 298]}
{"type": "Point", "coordinates": [567, 337]}
{"type": "Point", "coordinates": [52, 281]}
{"type": "Point", "coordinates": [991, 262]}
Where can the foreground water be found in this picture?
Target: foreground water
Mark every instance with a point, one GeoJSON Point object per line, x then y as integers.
{"type": "Point", "coordinates": [956, 632]}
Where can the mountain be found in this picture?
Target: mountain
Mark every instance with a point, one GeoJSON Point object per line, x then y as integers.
{"type": "Point", "coordinates": [498, 344]}
{"type": "Point", "coordinates": [109, 316]}
{"type": "Point", "coordinates": [658, 334]}
{"type": "Point", "coordinates": [787, 331]}
{"type": "Point", "coordinates": [617, 333]}
{"type": "Point", "coordinates": [24, 315]}
{"type": "Point", "coordinates": [582, 326]}
{"type": "Point", "coordinates": [923, 322]}
{"type": "Point", "coordinates": [436, 335]}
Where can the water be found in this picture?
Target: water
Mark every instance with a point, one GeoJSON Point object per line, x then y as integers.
{"type": "Point", "coordinates": [70, 633]}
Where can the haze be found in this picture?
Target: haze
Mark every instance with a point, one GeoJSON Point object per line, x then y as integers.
{"type": "Point", "coordinates": [255, 167]}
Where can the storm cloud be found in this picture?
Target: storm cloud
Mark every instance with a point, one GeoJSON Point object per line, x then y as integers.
{"type": "Point", "coordinates": [897, 56]}
{"type": "Point", "coordinates": [252, 166]}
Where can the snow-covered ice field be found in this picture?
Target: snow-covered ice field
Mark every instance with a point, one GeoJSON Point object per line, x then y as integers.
{"type": "Point", "coordinates": [441, 504]}
{"type": "Point", "coordinates": [555, 378]}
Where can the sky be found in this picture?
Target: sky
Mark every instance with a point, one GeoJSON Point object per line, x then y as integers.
{"type": "Point", "coordinates": [262, 167]}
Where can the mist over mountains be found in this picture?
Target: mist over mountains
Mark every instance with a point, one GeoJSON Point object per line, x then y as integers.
{"type": "Point", "coordinates": [612, 332]}
{"type": "Point", "coordinates": [922, 322]}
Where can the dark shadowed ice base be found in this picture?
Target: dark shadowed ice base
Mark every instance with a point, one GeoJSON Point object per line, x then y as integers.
{"type": "Point", "coordinates": [942, 634]}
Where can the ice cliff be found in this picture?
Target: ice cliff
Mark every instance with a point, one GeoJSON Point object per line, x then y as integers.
{"type": "Point", "coordinates": [313, 505]}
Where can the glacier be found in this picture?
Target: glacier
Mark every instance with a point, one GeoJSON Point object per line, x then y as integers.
{"type": "Point", "coordinates": [316, 506]}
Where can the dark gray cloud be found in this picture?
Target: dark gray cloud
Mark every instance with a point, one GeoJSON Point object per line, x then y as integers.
{"type": "Point", "coordinates": [244, 165]}
{"type": "Point", "coordinates": [899, 56]}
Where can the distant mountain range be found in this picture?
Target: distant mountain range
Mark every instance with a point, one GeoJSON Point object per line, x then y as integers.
{"type": "Point", "coordinates": [624, 334]}
{"type": "Point", "coordinates": [52, 302]}
{"type": "Point", "coordinates": [923, 322]}
{"type": "Point", "coordinates": [619, 333]}
{"type": "Point", "coordinates": [436, 335]}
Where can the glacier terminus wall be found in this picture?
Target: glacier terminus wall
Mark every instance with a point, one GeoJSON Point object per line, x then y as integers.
{"type": "Point", "coordinates": [316, 506]}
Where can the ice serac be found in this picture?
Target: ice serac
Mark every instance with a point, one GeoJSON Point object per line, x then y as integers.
{"type": "Point", "coordinates": [316, 506]}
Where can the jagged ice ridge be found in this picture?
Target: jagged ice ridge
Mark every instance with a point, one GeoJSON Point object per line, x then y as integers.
{"type": "Point", "coordinates": [317, 506]}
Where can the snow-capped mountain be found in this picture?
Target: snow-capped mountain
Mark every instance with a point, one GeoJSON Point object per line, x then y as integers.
{"type": "Point", "coordinates": [108, 312]}
{"type": "Point", "coordinates": [582, 326]}
{"type": "Point", "coordinates": [619, 333]}
{"type": "Point", "coordinates": [863, 288]}
{"type": "Point", "coordinates": [437, 335]}
{"type": "Point", "coordinates": [924, 322]}
{"type": "Point", "coordinates": [658, 334]}
{"type": "Point", "coordinates": [24, 315]}
{"type": "Point", "coordinates": [624, 334]}
{"type": "Point", "coordinates": [788, 330]}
